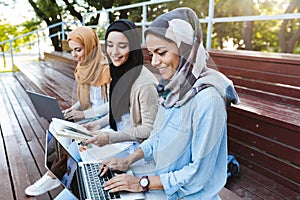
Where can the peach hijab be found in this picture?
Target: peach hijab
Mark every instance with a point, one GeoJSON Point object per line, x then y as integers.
{"type": "Point", "coordinates": [94, 70]}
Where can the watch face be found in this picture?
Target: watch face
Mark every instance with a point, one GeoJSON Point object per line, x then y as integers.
{"type": "Point", "coordinates": [144, 182]}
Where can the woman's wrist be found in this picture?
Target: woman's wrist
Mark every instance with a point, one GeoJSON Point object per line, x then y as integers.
{"type": "Point", "coordinates": [138, 154]}
{"type": "Point", "coordinates": [155, 183]}
{"type": "Point", "coordinates": [147, 183]}
{"type": "Point", "coordinates": [128, 160]}
{"type": "Point", "coordinates": [107, 137]}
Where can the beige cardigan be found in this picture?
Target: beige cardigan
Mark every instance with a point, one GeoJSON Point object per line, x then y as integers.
{"type": "Point", "coordinates": [143, 109]}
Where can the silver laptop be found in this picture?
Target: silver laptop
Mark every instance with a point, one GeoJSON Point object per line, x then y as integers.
{"type": "Point", "coordinates": [46, 106]}
{"type": "Point", "coordinates": [81, 178]}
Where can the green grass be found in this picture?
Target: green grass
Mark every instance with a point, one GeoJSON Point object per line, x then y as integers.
{"type": "Point", "coordinates": [9, 69]}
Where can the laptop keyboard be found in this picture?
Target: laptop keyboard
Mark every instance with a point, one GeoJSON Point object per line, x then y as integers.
{"type": "Point", "coordinates": [96, 182]}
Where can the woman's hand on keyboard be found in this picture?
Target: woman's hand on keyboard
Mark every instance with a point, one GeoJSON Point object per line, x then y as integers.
{"type": "Point", "coordinates": [73, 114]}
{"type": "Point", "coordinates": [123, 182]}
{"type": "Point", "coordinates": [113, 164]}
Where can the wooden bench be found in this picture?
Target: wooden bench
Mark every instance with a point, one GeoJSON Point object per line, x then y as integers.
{"type": "Point", "coordinates": [22, 141]}
{"type": "Point", "coordinates": [62, 62]}
{"type": "Point", "coordinates": [264, 130]}
{"type": "Point", "coordinates": [41, 78]}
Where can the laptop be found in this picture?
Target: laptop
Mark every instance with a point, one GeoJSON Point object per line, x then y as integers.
{"type": "Point", "coordinates": [48, 107]}
{"type": "Point", "coordinates": [80, 178]}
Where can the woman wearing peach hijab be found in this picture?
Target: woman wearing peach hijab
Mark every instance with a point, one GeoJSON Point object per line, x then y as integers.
{"type": "Point", "coordinates": [92, 75]}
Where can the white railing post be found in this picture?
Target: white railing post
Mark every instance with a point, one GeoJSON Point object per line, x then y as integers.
{"type": "Point", "coordinates": [39, 45]}
{"type": "Point", "coordinates": [62, 31]}
{"type": "Point", "coordinates": [107, 19]}
{"type": "Point", "coordinates": [144, 21]}
{"type": "Point", "coordinates": [83, 19]}
{"type": "Point", "coordinates": [12, 55]}
{"type": "Point", "coordinates": [210, 24]}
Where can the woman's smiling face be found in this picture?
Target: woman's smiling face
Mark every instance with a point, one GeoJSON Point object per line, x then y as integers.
{"type": "Point", "coordinates": [165, 55]}
{"type": "Point", "coordinates": [117, 48]}
{"type": "Point", "coordinates": [77, 51]}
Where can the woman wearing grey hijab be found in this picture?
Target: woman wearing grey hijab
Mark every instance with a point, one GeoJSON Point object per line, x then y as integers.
{"type": "Point", "coordinates": [188, 143]}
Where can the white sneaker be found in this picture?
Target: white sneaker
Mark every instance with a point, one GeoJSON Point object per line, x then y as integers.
{"type": "Point", "coordinates": [43, 185]}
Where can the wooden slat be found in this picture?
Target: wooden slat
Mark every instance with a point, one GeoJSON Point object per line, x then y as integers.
{"type": "Point", "coordinates": [16, 128]}
{"type": "Point", "coordinates": [252, 186]}
{"type": "Point", "coordinates": [266, 165]}
{"type": "Point", "coordinates": [277, 76]}
{"type": "Point", "coordinates": [282, 151]}
{"type": "Point", "coordinates": [288, 79]}
{"type": "Point", "coordinates": [226, 194]}
{"type": "Point", "coordinates": [268, 63]}
{"type": "Point", "coordinates": [272, 147]}
{"type": "Point", "coordinates": [49, 79]}
{"type": "Point", "coordinates": [61, 57]}
{"type": "Point", "coordinates": [12, 138]}
{"type": "Point", "coordinates": [34, 85]}
{"type": "Point", "coordinates": [65, 69]}
{"type": "Point", "coordinates": [6, 189]}
{"type": "Point", "coordinates": [261, 95]}
{"type": "Point", "coordinates": [269, 112]}
{"type": "Point", "coordinates": [257, 124]}
{"type": "Point", "coordinates": [270, 87]}
{"type": "Point", "coordinates": [61, 61]}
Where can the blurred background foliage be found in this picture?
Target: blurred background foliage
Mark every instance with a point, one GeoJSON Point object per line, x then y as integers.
{"type": "Point", "coordinates": [267, 36]}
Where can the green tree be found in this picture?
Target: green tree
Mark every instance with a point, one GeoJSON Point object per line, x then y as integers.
{"type": "Point", "coordinates": [289, 33]}
{"type": "Point", "coordinates": [8, 31]}
{"type": "Point", "coordinates": [271, 35]}
{"type": "Point", "coordinates": [249, 35]}
{"type": "Point", "coordinates": [51, 13]}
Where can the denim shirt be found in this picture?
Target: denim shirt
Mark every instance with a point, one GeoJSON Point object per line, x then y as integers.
{"type": "Point", "coordinates": [189, 147]}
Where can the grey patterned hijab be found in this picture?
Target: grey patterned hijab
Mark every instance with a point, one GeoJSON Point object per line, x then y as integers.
{"type": "Point", "coordinates": [182, 27]}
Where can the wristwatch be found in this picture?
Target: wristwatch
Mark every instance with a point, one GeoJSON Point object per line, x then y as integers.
{"type": "Point", "coordinates": [144, 183]}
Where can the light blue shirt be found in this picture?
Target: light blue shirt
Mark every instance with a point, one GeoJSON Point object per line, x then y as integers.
{"type": "Point", "coordinates": [189, 147]}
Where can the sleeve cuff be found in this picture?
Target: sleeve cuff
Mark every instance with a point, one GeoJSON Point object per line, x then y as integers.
{"type": "Point", "coordinates": [96, 111]}
{"type": "Point", "coordinates": [76, 106]}
{"type": "Point", "coordinates": [170, 190]}
{"type": "Point", "coordinates": [104, 121]}
{"type": "Point", "coordinates": [147, 150]}
{"type": "Point", "coordinates": [89, 113]}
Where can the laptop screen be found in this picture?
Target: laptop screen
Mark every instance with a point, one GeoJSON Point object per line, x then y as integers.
{"type": "Point", "coordinates": [60, 162]}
